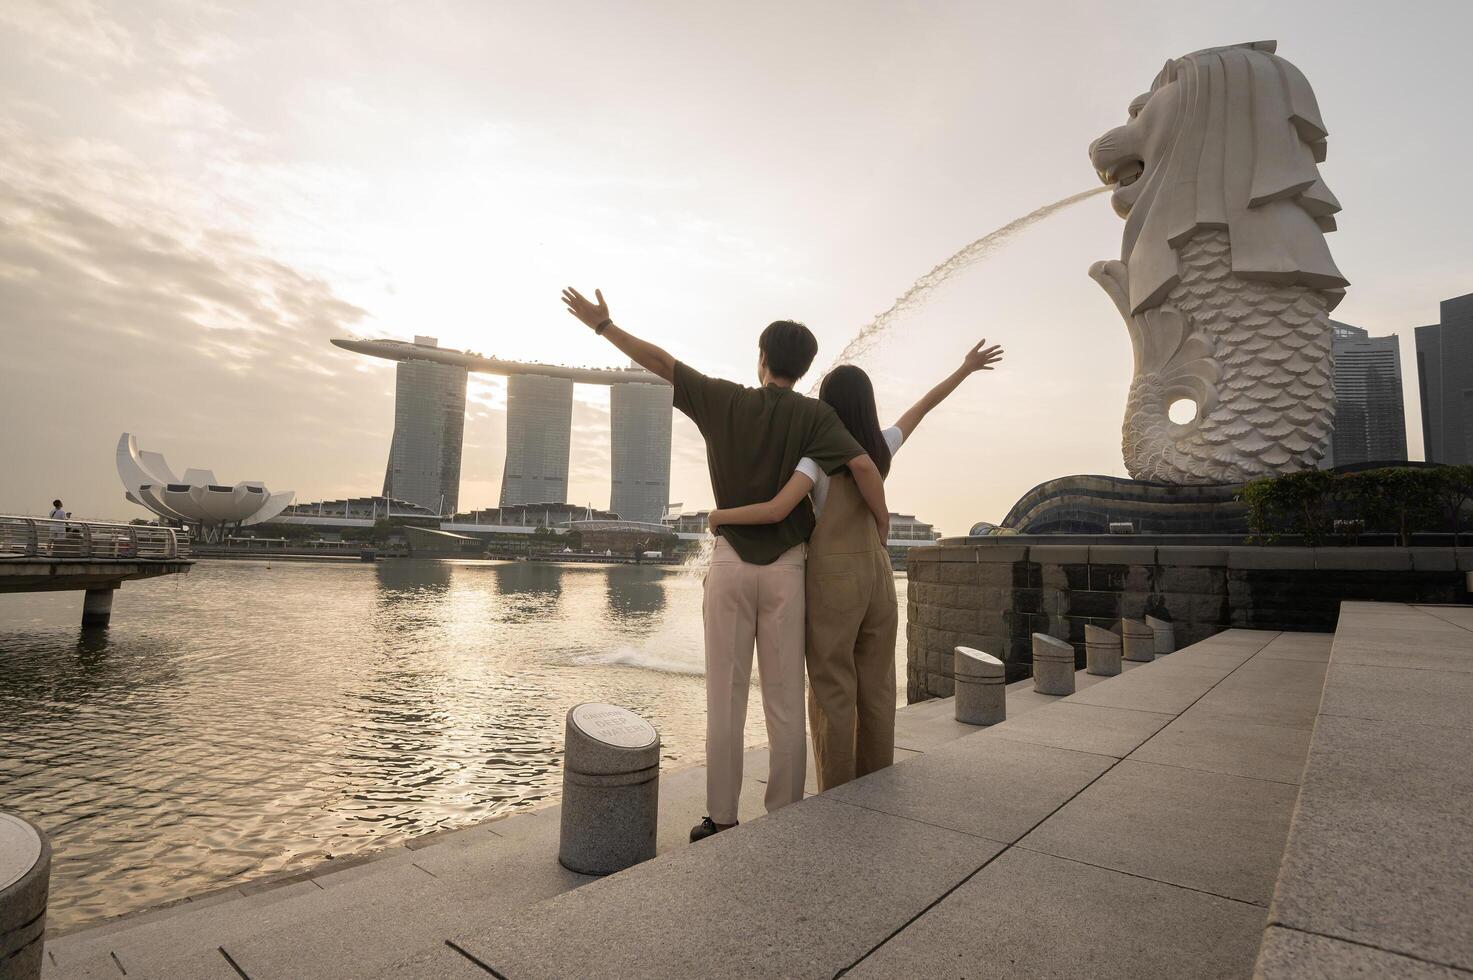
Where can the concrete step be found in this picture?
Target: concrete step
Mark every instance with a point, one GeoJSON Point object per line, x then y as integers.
{"type": "Point", "coordinates": [1374, 878]}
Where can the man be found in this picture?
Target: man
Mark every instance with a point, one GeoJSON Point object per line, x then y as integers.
{"type": "Point", "coordinates": [755, 586]}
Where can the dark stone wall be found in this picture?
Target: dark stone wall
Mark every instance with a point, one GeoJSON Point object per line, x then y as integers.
{"type": "Point", "coordinates": [994, 593]}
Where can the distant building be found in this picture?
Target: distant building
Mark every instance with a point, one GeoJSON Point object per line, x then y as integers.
{"type": "Point", "coordinates": [624, 538]}
{"type": "Point", "coordinates": [686, 522]}
{"type": "Point", "coordinates": [197, 500]}
{"type": "Point", "coordinates": [539, 514]}
{"type": "Point", "coordinates": [539, 429]}
{"type": "Point", "coordinates": [907, 532]}
{"type": "Point", "coordinates": [425, 542]}
{"type": "Point", "coordinates": [1370, 418]}
{"type": "Point", "coordinates": [1445, 380]}
{"type": "Point", "coordinates": [539, 423]}
{"type": "Point", "coordinates": [640, 467]}
{"type": "Point", "coordinates": [368, 509]}
{"type": "Point", "coordinates": [429, 424]}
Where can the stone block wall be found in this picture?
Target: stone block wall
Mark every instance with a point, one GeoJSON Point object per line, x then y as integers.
{"type": "Point", "coordinates": [993, 593]}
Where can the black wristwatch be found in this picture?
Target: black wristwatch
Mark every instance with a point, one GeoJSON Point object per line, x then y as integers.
{"type": "Point", "coordinates": [604, 325]}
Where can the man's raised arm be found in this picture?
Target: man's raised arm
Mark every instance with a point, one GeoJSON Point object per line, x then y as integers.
{"type": "Point", "coordinates": [596, 315]}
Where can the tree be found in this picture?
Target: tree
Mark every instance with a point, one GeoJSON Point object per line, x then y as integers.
{"type": "Point", "coordinates": [1454, 490]}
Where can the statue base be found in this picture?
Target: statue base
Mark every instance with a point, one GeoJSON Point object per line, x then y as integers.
{"type": "Point", "coordinates": [1090, 504]}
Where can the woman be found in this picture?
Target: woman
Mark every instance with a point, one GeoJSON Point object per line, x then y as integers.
{"type": "Point", "coordinates": [851, 614]}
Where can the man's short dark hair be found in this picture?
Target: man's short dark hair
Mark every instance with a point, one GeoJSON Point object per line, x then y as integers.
{"type": "Point", "coordinates": [789, 348]}
{"type": "Point", "coordinates": [56, 503]}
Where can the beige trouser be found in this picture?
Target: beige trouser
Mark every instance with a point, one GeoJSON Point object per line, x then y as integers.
{"type": "Point", "coordinates": [746, 603]}
{"type": "Point", "coordinates": [852, 621]}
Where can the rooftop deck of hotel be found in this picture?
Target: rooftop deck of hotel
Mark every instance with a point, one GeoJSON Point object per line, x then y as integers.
{"type": "Point", "coordinates": [1269, 804]}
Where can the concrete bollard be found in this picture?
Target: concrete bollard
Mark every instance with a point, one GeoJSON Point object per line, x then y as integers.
{"type": "Point", "coordinates": [1101, 651]}
{"type": "Point", "coordinates": [25, 876]}
{"type": "Point", "coordinates": [611, 790]}
{"type": "Point", "coordinates": [981, 687]}
{"type": "Point", "coordinates": [1053, 665]}
{"type": "Point", "coordinates": [1165, 634]}
{"type": "Point", "coordinates": [1138, 641]}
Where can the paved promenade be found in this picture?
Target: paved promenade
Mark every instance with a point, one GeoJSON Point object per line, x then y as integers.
{"type": "Point", "coordinates": [1134, 829]}
{"type": "Point", "coordinates": [1377, 878]}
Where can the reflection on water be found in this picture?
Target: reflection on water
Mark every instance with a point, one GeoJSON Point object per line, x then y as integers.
{"type": "Point", "coordinates": [254, 717]}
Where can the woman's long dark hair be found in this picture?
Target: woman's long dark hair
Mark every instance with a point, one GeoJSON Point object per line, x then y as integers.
{"type": "Point", "coordinates": [847, 390]}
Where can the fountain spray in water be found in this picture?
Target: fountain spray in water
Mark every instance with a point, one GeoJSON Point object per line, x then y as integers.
{"type": "Point", "coordinates": [872, 332]}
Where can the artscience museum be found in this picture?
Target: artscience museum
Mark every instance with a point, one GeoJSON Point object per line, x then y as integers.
{"type": "Point", "coordinates": [196, 499]}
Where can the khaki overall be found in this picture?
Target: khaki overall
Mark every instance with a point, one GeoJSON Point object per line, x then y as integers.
{"type": "Point", "coordinates": [850, 640]}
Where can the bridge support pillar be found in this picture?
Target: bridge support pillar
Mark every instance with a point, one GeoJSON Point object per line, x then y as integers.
{"type": "Point", "coordinates": [97, 606]}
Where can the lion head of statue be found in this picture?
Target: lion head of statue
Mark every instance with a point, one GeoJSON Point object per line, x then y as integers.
{"type": "Point", "coordinates": [1227, 138]}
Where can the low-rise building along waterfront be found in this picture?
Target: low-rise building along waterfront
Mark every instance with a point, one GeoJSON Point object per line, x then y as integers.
{"type": "Point", "coordinates": [352, 512]}
{"type": "Point", "coordinates": [532, 515]}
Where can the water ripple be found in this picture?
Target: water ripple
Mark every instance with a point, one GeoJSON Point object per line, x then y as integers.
{"type": "Point", "coordinates": [252, 718]}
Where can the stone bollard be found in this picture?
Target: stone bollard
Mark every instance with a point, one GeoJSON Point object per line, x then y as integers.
{"type": "Point", "coordinates": [25, 875]}
{"type": "Point", "coordinates": [1101, 651]}
{"type": "Point", "coordinates": [1053, 665]}
{"type": "Point", "coordinates": [981, 687]}
{"type": "Point", "coordinates": [1165, 634]}
{"type": "Point", "coordinates": [611, 790]}
{"type": "Point", "coordinates": [1138, 640]}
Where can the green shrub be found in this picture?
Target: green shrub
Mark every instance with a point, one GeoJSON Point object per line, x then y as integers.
{"type": "Point", "coordinates": [1400, 500]}
{"type": "Point", "coordinates": [1396, 499]}
{"type": "Point", "coordinates": [1296, 503]}
{"type": "Point", "coordinates": [1454, 493]}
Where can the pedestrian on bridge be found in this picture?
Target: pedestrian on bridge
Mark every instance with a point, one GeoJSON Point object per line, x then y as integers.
{"type": "Point", "coordinates": [58, 531]}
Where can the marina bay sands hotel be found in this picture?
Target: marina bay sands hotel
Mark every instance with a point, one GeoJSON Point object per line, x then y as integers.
{"type": "Point", "coordinates": [429, 423]}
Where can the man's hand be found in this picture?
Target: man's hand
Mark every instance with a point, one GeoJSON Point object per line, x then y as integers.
{"type": "Point", "coordinates": [979, 358]}
{"type": "Point", "coordinates": [590, 313]}
{"type": "Point", "coordinates": [883, 527]}
{"type": "Point", "coordinates": [646, 355]}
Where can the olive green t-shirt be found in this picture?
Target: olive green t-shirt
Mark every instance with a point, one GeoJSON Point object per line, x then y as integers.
{"type": "Point", "coordinates": [754, 440]}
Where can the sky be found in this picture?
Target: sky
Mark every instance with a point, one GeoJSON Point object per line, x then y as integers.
{"type": "Point", "coordinates": [194, 198]}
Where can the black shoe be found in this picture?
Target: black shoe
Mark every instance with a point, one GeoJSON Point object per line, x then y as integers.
{"type": "Point", "coordinates": [707, 828]}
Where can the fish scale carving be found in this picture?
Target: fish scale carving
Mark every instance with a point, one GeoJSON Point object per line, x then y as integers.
{"type": "Point", "coordinates": [1224, 281]}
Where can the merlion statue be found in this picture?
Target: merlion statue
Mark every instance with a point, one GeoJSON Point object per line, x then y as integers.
{"type": "Point", "coordinates": [1224, 280]}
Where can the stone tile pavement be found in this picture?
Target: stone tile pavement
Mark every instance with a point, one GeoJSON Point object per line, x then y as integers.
{"type": "Point", "coordinates": [1377, 876]}
{"type": "Point", "coordinates": [350, 918]}
{"type": "Point", "coordinates": [1135, 829]}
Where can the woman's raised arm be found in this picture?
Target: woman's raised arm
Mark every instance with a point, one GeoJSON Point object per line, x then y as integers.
{"type": "Point", "coordinates": [976, 359]}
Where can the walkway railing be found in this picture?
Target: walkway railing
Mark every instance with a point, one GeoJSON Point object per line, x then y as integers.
{"type": "Point", "coordinates": [41, 537]}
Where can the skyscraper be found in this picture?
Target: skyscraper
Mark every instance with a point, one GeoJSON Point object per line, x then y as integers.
{"type": "Point", "coordinates": [539, 429]}
{"type": "Point", "coordinates": [640, 467]}
{"type": "Point", "coordinates": [1370, 417]}
{"type": "Point", "coordinates": [424, 463]}
{"type": "Point", "coordinates": [429, 424]}
{"type": "Point", "coordinates": [1445, 380]}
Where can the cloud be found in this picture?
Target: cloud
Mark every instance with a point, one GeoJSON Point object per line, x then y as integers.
{"type": "Point", "coordinates": [71, 35]}
{"type": "Point", "coordinates": [209, 348]}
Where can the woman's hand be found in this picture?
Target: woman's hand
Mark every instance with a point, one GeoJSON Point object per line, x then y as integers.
{"type": "Point", "coordinates": [713, 521]}
{"type": "Point", "coordinates": [980, 358]}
